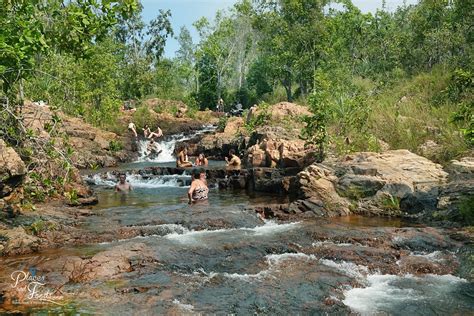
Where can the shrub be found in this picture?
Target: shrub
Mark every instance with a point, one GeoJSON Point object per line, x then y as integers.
{"type": "Point", "coordinates": [222, 123]}
{"type": "Point", "coordinates": [115, 145]}
{"type": "Point", "coordinates": [262, 118]}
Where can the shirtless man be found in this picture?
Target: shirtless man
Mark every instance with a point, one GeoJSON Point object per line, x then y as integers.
{"type": "Point", "coordinates": [123, 185]}
{"type": "Point", "coordinates": [182, 158]}
{"type": "Point", "coordinates": [234, 162]}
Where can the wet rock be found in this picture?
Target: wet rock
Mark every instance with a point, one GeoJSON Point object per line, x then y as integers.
{"type": "Point", "coordinates": [431, 263]}
{"type": "Point", "coordinates": [420, 239]}
{"type": "Point", "coordinates": [103, 265]}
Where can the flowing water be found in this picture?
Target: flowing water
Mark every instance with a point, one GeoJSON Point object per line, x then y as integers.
{"type": "Point", "coordinates": [221, 258]}
{"type": "Point", "coordinates": [167, 145]}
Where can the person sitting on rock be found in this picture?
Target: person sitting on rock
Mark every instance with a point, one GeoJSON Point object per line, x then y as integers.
{"type": "Point", "coordinates": [156, 134]}
{"type": "Point", "coordinates": [123, 185]}
{"type": "Point", "coordinates": [153, 148]}
{"type": "Point", "coordinates": [182, 158]}
{"type": "Point", "coordinates": [234, 162]}
{"type": "Point", "coordinates": [198, 190]}
{"type": "Point", "coordinates": [133, 129]}
{"type": "Point", "coordinates": [146, 130]}
{"type": "Point", "coordinates": [201, 160]}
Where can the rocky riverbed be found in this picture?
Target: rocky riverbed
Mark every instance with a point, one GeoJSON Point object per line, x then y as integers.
{"type": "Point", "coordinates": [364, 233]}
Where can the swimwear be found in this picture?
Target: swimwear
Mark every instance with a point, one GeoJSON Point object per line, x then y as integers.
{"type": "Point", "coordinates": [200, 193]}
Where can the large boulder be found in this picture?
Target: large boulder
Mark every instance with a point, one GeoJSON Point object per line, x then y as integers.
{"type": "Point", "coordinates": [317, 187]}
{"type": "Point", "coordinates": [220, 143]}
{"type": "Point", "coordinates": [396, 180]}
{"type": "Point", "coordinates": [11, 165]}
{"type": "Point", "coordinates": [456, 200]}
{"type": "Point", "coordinates": [275, 146]}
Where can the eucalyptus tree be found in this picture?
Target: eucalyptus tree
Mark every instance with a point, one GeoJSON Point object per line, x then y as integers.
{"type": "Point", "coordinates": [186, 60]}
{"type": "Point", "coordinates": [292, 38]}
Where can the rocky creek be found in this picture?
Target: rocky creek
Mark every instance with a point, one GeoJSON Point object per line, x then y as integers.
{"type": "Point", "coordinates": [222, 258]}
{"type": "Point", "coordinates": [149, 252]}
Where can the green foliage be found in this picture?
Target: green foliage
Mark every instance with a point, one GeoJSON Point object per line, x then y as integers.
{"type": "Point", "coordinates": [466, 210]}
{"type": "Point", "coordinates": [39, 226]}
{"type": "Point", "coordinates": [222, 123]}
{"type": "Point", "coordinates": [142, 116]}
{"type": "Point", "coordinates": [72, 197]}
{"type": "Point", "coordinates": [115, 145]}
{"type": "Point", "coordinates": [390, 203]}
{"type": "Point", "coordinates": [410, 113]}
{"type": "Point", "coordinates": [261, 118]}
{"type": "Point", "coordinates": [315, 132]}
{"type": "Point", "coordinates": [460, 90]}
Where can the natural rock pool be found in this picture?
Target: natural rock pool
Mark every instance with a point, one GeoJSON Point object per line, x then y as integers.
{"type": "Point", "coordinates": [163, 256]}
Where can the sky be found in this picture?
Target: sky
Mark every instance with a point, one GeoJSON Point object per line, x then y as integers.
{"type": "Point", "coordinates": [185, 12]}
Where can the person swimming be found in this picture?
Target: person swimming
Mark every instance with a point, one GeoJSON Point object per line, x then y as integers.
{"type": "Point", "coordinates": [182, 158]}
{"type": "Point", "coordinates": [234, 162]}
{"type": "Point", "coordinates": [201, 160]}
{"type": "Point", "coordinates": [123, 185]}
{"type": "Point", "coordinates": [198, 190]}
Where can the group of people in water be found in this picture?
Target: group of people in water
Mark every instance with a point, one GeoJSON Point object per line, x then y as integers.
{"type": "Point", "coordinates": [153, 148]}
{"type": "Point", "coordinates": [198, 190]}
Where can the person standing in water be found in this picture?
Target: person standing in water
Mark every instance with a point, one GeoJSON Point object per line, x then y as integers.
{"type": "Point", "coordinates": [234, 162]}
{"type": "Point", "coordinates": [123, 185]}
{"type": "Point", "coordinates": [198, 190]}
{"type": "Point", "coordinates": [201, 160]}
{"type": "Point", "coordinates": [182, 158]}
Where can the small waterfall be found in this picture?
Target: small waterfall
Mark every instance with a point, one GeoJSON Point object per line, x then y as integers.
{"type": "Point", "coordinates": [168, 145]}
{"type": "Point", "coordinates": [137, 181]}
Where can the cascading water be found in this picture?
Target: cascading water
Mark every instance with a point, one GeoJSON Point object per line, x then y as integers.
{"type": "Point", "coordinates": [138, 181]}
{"type": "Point", "coordinates": [168, 145]}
